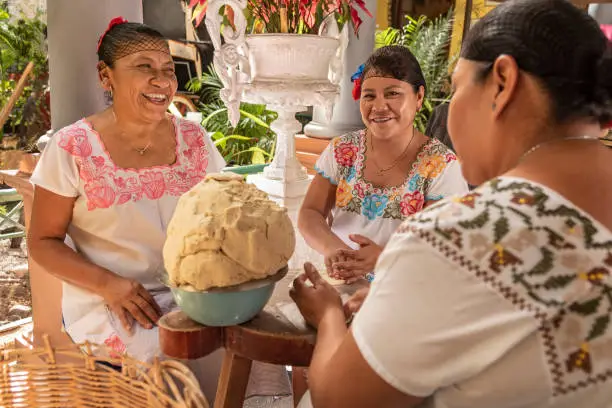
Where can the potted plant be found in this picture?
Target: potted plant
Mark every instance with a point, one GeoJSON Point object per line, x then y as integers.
{"type": "Point", "coordinates": [277, 40]}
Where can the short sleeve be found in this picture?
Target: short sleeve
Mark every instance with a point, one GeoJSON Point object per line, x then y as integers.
{"type": "Point", "coordinates": [450, 182]}
{"type": "Point", "coordinates": [57, 169]}
{"type": "Point", "coordinates": [326, 165]}
{"type": "Point", "coordinates": [452, 326]}
{"type": "Point", "coordinates": [216, 161]}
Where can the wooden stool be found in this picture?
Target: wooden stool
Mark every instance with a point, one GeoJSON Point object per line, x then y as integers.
{"type": "Point", "coordinates": [270, 338]}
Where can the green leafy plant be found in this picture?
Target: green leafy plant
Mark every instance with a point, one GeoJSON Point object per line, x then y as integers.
{"type": "Point", "coordinates": [22, 41]}
{"type": "Point", "coordinates": [429, 41]}
{"type": "Point", "coordinates": [252, 141]}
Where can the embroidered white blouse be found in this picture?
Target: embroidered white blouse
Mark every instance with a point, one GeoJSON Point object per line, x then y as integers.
{"type": "Point", "coordinates": [119, 220]}
{"type": "Point", "coordinates": [506, 295]}
{"type": "Point", "coordinates": [375, 212]}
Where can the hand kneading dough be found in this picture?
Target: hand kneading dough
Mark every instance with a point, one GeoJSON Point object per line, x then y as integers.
{"type": "Point", "coordinates": [225, 232]}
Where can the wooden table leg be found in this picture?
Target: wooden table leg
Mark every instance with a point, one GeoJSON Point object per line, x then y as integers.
{"type": "Point", "coordinates": [299, 383]}
{"type": "Point", "coordinates": [233, 381]}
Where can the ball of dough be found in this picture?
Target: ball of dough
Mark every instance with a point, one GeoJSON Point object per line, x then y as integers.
{"type": "Point", "coordinates": [225, 232]}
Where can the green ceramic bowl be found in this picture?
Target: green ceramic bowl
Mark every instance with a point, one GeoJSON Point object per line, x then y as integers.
{"type": "Point", "coordinates": [227, 306]}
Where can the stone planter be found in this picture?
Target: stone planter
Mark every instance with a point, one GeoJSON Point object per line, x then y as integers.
{"type": "Point", "coordinates": [291, 57]}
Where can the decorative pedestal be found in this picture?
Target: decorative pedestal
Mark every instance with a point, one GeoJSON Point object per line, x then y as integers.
{"type": "Point", "coordinates": [286, 72]}
{"type": "Point", "coordinates": [285, 179]}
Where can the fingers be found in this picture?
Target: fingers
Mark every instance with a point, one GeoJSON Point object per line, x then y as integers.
{"type": "Point", "coordinates": [138, 314]}
{"type": "Point", "coordinates": [353, 279]}
{"type": "Point", "coordinates": [313, 275]}
{"type": "Point", "coordinates": [361, 240]}
{"type": "Point", "coordinates": [143, 293]}
{"type": "Point", "coordinates": [150, 310]}
{"type": "Point", "coordinates": [349, 265]}
{"type": "Point", "coordinates": [124, 318]}
{"type": "Point", "coordinates": [346, 254]}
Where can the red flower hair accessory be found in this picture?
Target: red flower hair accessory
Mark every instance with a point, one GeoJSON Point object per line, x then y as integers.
{"type": "Point", "coordinates": [115, 21]}
{"type": "Point", "coordinates": [356, 78]}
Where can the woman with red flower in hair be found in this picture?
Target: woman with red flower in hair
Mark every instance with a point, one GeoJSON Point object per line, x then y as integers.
{"type": "Point", "coordinates": [369, 181]}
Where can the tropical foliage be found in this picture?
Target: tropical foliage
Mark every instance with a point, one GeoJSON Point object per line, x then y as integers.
{"type": "Point", "coordinates": [251, 141]}
{"type": "Point", "coordinates": [22, 41]}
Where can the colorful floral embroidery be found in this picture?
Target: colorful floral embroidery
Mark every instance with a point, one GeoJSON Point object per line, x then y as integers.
{"type": "Point", "coordinates": [345, 154]}
{"type": "Point", "coordinates": [343, 193]}
{"type": "Point", "coordinates": [374, 205]}
{"type": "Point", "coordinates": [106, 185]}
{"type": "Point", "coordinates": [355, 194]}
{"type": "Point", "coordinates": [116, 345]}
{"type": "Point", "coordinates": [543, 255]}
{"type": "Point", "coordinates": [412, 203]}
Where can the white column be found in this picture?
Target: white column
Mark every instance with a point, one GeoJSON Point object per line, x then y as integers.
{"type": "Point", "coordinates": [73, 31]}
{"type": "Point", "coordinates": [347, 117]}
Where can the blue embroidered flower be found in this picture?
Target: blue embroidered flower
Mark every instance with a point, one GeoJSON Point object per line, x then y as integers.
{"type": "Point", "coordinates": [351, 174]}
{"type": "Point", "coordinates": [413, 184]}
{"type": "Point", "coordinates": [374, 205]}
{"type": "Point", "coordinates": [357, 75]}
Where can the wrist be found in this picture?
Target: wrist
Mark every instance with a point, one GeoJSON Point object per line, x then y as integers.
{"type": "Point", "coordinates": [106, 282]}
{"type": "Point", "coordinates": [333, 317]}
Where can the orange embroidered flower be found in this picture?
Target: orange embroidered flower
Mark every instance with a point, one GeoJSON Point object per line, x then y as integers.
{"type": "Point", "coordinates": [431, 167]}
{"type": "Point", "coordinates": [343, 194]}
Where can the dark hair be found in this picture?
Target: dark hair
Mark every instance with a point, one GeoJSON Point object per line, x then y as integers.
{"type": "Point", "coordinates": [396, 61]}
{"type": "Point", "coordinates": [557, 43]}
{"type": "Point", "coordinates": [123, 39]}
{"type": "Point", "coordinates": [437, 125]}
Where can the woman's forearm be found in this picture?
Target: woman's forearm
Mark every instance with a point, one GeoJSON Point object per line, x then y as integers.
{"type": "Point", "coordinates": [62, 262]}
{"type": "Point", "coordinates": [330, 335]}
{"type": "Point", "coordinates": [317, 233]}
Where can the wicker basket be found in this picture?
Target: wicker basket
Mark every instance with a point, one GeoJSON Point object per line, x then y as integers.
{"type": "Point", "coordinates": [71, 377]}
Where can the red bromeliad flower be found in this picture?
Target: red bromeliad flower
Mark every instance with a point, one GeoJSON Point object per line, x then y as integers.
{"type": "Point", "coordinates": [304, 16]}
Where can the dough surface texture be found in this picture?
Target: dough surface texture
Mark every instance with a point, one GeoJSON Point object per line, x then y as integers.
{"type": "Point", "coordinates": [225, 232]}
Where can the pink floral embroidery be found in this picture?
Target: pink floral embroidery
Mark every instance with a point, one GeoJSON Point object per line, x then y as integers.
{"type": "Point", "coordinates": [105, 185]}
{"type": "Point", "coordinates": [412, 203]}
{"type": "Point", "coordinates": [450, 157]}
{"type": "Point", "coordinates": [115, 344]}
{"type": "Point", "coordinates": [359, 190]}
{"type": "Point", "coordinates": [345, 154]}
{"type": "Point", "coordinates": [153, 184]}
{"type": "Point", "coordinates": [76, 142]}
{"type": "Point", "coordinates": [100, 194]}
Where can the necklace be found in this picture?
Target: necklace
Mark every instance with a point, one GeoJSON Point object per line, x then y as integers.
{"type": "Point", "coordinates": [536, 147]}
{"type": "Point", "coordinates": [140, 150]}
{"type": "Point", "coordinates": [382, 170]}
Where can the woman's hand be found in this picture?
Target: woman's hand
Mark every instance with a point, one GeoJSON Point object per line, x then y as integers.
{"type": "Point", "coordinates": [130, 301]}
{"type": "Point", "coordinates": [315, 301]}
{"type": "Point", "coordinates": [332, 258]}
{"type": "Point", "coordinates": [357, 263]}
{"type": "Point", "coordinates": [353, 304]}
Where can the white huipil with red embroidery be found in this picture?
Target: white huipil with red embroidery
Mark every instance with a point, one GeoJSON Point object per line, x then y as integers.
{"type": "Point", "coordinates": [119, 220]}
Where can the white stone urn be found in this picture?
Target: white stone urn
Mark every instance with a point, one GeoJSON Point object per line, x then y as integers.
{"type": "Point", "coordinates": [286, 72]}
{"type": "Point", "coordinates": [291, 57]}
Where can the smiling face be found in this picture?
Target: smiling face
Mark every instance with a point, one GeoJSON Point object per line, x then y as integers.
{"type": "Point", "coordinates": [143, 84]}
{"type": "Point", "coordinates": [388, 106]}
